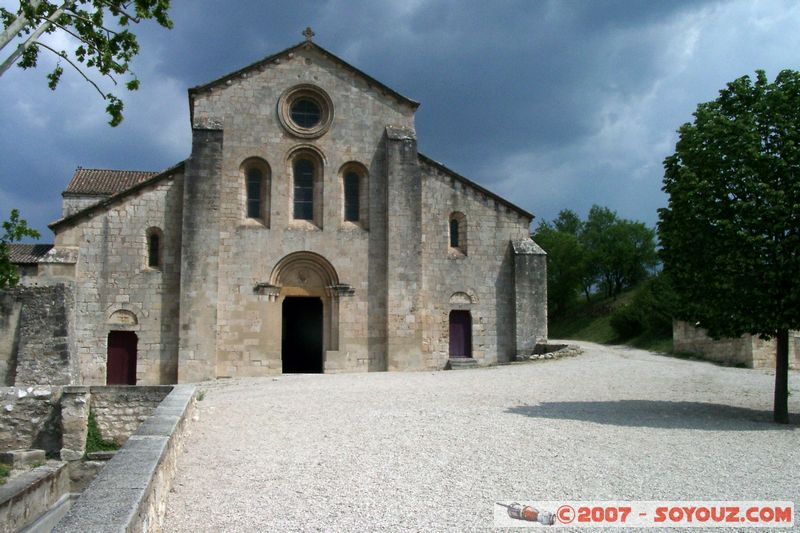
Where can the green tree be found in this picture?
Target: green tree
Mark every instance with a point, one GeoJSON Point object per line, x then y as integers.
{"type": "Point", "coordinates": [730, 234]}
{"type": "Point", "coordinates": [105, 47]}
{"type": "Point", "coordinates": [621, 253]}
{"type": "Point", "coordinates": [14, 229]}
{"type": "Point", "coordinates": [565, 264]}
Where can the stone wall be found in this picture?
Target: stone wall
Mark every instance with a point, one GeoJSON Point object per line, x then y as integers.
{"type": "Point", "coordinates": [747, 350]}
{"type": "Point", "coordinates": [30, 418]}
{"type": "Point", "coordinates": [26, 497]}
{"type": "Point", "coordinates": [10, 306]}
{"type": "Point", "coordinates": [116, 290]}
{"type": "Point", "coordinates": [120, 410]}
{"type": "Point", "coordinates": [480, 279]}
{"type": "Point", "coordinates": [36, 326]}
{"type": "Point", "coordinates": [130, 493]}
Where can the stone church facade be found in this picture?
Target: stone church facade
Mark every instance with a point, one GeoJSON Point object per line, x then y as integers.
{"type": "Point", "coordinates": [305, 233]}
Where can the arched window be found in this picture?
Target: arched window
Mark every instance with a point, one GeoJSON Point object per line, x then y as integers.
{"type": "Point", "coordinates": [154, 248]}
{"type": "Point", "coordinates": [256, 175]}
{"type": "Point", "coordinates": [351, 197]}
{"type": "Point", "coordinates": [453, 233]}
{"type": "Point", "coordinates": [303, 189]}
{"type": "Point", "coordinates": [254, 184]}
{"type": "Point", "coordinates": [354, 191]}
{"type": "Point", "coordinates": [458, 233]}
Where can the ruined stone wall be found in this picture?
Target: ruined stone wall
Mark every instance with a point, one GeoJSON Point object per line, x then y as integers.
{"type": "Point", "coordinates": [747, 350]}
{"type": "Point", "coordinates": [10, 307]}
{"type": "Point", "coordinates": [479, 279]}
{"type": "Point", "coordinates": [30, 418]}
{"type": "Point", "coordinates": [249, 336]}
{"type": "Point", "coordinates": [116, 290]}
{"type": "Point", "coordinates": [36, 335]}
{"type": "Point", "coordinates": [119, 410]}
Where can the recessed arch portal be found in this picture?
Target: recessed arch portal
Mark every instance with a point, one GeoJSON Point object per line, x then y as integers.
{"type": "Point", "coordinates": [309, 304]}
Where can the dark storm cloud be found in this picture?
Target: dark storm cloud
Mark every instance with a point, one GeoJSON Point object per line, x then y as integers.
{"type": "Point", "coordinates": [553, 104]}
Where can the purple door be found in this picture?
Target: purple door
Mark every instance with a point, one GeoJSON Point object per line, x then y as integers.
{"type": "Point", "coordinates": [460, 334]}
{"type": "Point", "coordinates": [121, 366]}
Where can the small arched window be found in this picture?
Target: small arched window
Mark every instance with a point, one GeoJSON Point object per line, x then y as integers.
{"type": "Point", "coordinates": [458, 233]}
{"type": "Point", "coordinates": [154, 248]}
{"type": "Point", "coordinates": [351, 197]}
{"type": "Point", "coordinates": [303, 189]}
{"type": "Point", "coordinates": [256, 174]}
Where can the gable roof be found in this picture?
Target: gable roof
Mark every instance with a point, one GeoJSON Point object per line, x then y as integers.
{"type": "Point", "coordinates": [270, 59]}
{"type": "Point", "coordinates": [143, 182]}
{"type": "Point", "coordinates": [104, 182]}
{"type": "Point", "coordinates": [466, 181]}
{"type": "Point", "coordinates": [27, 254]}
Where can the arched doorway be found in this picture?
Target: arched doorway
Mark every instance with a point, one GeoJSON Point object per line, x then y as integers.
{"type": "Point", "coordinates": [301, 335]}
{"type": "Point", "coordinates": [121, 361]}
{"type": "Point", "coordinates": [460, 334]}
{"type": "Point", "coordinates": [309, 305]}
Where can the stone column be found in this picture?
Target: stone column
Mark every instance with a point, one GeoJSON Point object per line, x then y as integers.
{"type": "Point", "coordinates": [404, 250]}
{"type": "Point", "coordinates": [530, 295]}
{"type": "Point", "coordinates": [200, 256]}
{"type": "Point", "coordinates": [74, 422]}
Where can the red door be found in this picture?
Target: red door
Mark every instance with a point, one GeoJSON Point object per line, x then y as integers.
{"type": "Point", "coordinates": [121, 367]}
{"type": "Point", "coordinates": [460, 334]}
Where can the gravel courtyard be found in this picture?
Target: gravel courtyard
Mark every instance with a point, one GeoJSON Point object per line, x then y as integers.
{"type": "Point", "coordinates": [435, 450]}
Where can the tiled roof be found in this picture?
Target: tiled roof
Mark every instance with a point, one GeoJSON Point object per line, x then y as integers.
{"type": "Point", "coordinates": [145, 179]}
{"type": "Point", "coordinates": [22, 254]}
{"type": "Point", "coordinates": [102, 182]}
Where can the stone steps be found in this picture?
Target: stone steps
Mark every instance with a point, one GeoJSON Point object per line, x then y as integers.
{"type": "Point", "coordinates": [461, 363]}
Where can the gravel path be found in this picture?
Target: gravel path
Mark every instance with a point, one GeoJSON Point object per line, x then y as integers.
{"type": "Point", "coordinates": [434, 450]}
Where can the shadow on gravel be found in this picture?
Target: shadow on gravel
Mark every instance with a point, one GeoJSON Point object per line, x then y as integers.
{"type": "Point", "coordinates": [659, 414]}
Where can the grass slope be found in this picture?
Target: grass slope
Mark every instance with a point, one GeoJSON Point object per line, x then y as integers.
{"type": "Point", "coordinates": [592, 322]}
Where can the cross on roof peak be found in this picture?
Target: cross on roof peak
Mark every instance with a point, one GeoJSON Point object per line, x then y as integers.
{"type": "Point", "coordinates": [308, 33]}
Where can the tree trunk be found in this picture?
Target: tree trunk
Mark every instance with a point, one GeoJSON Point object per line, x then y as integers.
{"type": "Point", "coordinates": [781, 409]}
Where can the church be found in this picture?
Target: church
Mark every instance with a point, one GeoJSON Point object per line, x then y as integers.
{"type": "Point", "coordinates": [304, 233]}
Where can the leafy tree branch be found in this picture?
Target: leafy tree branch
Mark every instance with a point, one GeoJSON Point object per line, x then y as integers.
{"type": "Point", "coordinates": [104, 47]}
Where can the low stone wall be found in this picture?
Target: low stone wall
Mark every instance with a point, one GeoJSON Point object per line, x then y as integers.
{"type": "Point", "coordinates": [130, 493]}
{"type": "Point", "coordinates": [120, 409]}
{"type": "Point", "coordinates": [26, 497]}
{"type": "Point", "coordinates": [30, 418]}
{"type": "Point", "coordinates": [747, 350]}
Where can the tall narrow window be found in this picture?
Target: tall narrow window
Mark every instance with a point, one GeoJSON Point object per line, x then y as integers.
{"type": "Point", "coordinates": [457, 223]}
{"type": "Point", "coordinates": [255, 180]}
{"type": "Point", "coordinates": [453, 233]}
{"type": "Point", "coordinates": [154, 258]}
{"type": "Point", "coordinates": [351, 194]}
{"type": "Point", "coordinates": [303, 189]}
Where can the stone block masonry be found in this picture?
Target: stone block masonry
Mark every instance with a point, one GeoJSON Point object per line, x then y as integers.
{"type": "Point", "coordinates": [120, 410]}
{"type": "Point", "coordinates": [36, 324]}
{"type": "Point", "coordinates": [24, 498]}
{"type": "Point", "coordinates": [130, 493]}
{"type": "Point", "coordinates": [30, 418]}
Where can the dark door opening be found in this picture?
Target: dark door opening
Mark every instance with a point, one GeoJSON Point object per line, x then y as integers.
{"type": "Point", "coordinates": [460, 334]}
{"type": "Point", "coordinates": [301, 344]}
{"type": "Point", "coordinates": [121, 364]}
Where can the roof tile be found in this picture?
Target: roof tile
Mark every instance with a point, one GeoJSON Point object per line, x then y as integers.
{"type": "Point", "coordinates": [25, 254]}
{"type": "Point", "coordinates": [103, 182]}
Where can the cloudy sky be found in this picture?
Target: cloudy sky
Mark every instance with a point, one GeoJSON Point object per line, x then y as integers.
{"type": "Point", "coordinates": [552, 104]}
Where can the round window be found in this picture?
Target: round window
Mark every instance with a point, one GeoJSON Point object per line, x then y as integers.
{"type": "Point", "coordinates": [305, 111]}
